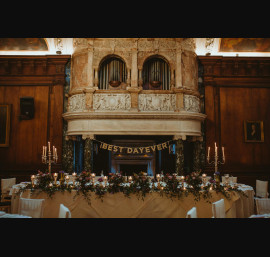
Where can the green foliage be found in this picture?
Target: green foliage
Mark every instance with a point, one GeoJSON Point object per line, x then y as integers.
{"type": "Point", "coordinates": [141, 185]}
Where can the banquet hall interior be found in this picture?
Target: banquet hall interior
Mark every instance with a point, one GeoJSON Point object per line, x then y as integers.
{"type": "Point", "coordinates": [134, 127]}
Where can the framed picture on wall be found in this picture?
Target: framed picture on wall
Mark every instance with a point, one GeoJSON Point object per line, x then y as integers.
{"type": "Point", "coordinates": [4, 124]}
{"type": "Point", "coordinates": [253, 131]}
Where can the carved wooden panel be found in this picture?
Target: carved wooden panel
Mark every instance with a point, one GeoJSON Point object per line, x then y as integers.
{"type": "Point", "coordinates": [237, 89]}
{"type": "Point", "coordinates": [43, 78]}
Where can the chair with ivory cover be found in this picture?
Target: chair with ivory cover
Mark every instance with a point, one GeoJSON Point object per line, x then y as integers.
{"type": "Point", "coordinates": [261, 189]}
{"type": "Point", "coordinates": [263, 205]}
{"type": "Point", "coordinates": [31, 207]}
{"type": "Point", "coordinates": [234, 179]}
{"type": "Point", "coordinates": [64, 212]}
{"type": "Point", "coordinates": [218, 209]}
{"type": "Point", "coordinates": [6, 185]}
{"type": "Point", "coordinates": [192, 213]}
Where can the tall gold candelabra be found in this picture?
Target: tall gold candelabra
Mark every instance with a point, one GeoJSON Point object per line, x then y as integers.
{"type": "Point", "coordinates": [216, 161]}
{"type": "Point", "coordinates": [49, 158]}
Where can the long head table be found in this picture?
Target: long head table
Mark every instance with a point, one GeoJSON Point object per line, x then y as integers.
{"type": "Point", "coordinates": [152, 206]}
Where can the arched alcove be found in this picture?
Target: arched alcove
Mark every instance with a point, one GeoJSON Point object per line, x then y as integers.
{"type": "Point", "coordinates": [156, 73]}
{"type": "Point", "coordinates": [112, 72]}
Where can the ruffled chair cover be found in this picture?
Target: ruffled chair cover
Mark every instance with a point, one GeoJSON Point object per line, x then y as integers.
{"type": "Point", "coordinates": [64, 212]}
{"type": "Point", "coordinates": [263, 205]}
{"type": "Point", "coordinates": [31, 207]}
{"type": "Point", "coordinates": [6, 185]}
{"type": "Point", "coordinates": [192, 213]}
{"type": "Point", "coordinates": [218, 209]}
{"type": "Point", "coordinates": [262, 189]}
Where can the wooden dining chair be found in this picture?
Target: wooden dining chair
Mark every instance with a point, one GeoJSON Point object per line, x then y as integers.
{"type": "Point", "coordinates": [5, 206]}
{"type": "Point", "coordinates": [218, 209]}
{"type": "Point", "coordinates": [6, 185]}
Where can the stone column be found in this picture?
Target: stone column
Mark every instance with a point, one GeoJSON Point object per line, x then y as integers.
{"type": "Point", "coordinates": [198, 155]}
{"type": "Point", "coordinates": [133, 89]}
{"type": "Point", "coordinates": [89, 92]}
{"type": "Point", "coordinates": [179, 101]}
{"type": "Point", "coordinates": [90, 75]}
{"type": "Point", "coordinates": [178, 89]}
{"type": "Point", "coordinates": [134, 69]}
{"type": "Point", "coordinates": [68, 152]}
{"type": "Point", "coordinates": [179, 154]}
{"type": "Point", "coordinates": [178, 70]}
{"type": "Point", "coordinates": [88, 153]}
{"type": "Point", "coordinates": [128, 77]}
{"type": "Point", "coordinates": [140, 78]}
{"type": "Point", "coordinates": [96, 77]}
{"type": "Point", "coordinates": [91, 84]}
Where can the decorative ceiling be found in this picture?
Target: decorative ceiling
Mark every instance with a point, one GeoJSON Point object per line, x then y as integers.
{"type": "Point", "coordinates": [244, 45]}
{"type": "Point", "coordinates": [204, 46]}
{"type": "Point", "coordinates": [23, 44]}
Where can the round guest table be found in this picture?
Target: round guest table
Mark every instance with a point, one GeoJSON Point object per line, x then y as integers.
{"type": "Point", "coordinates": [152, 206]}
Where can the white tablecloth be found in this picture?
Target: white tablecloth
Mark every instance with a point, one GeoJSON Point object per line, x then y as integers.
{"type": "Point", "coordinates": [153, 206]}
{"type": "Point", "coordinates": [8, 215]}
{"type": "Point", "coordinates": [244, 206]}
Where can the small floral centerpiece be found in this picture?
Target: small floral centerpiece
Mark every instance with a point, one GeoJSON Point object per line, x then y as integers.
{"type": "Point", "coordinates": [141, 184]}
{"type": "Point", "coordinates": [172, 185]}
{"type": "Point", "coordinates": [84, 177]}
{"type": "Point", "coordinates": [43, 179]}
{"type": "Point", "coordinates": [115, 181]}
{"type": "Point", "coordinates": [194, 180]}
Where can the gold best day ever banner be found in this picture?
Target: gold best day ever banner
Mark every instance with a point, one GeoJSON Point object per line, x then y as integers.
{"type": "Point", "coordinates": [135, 150]}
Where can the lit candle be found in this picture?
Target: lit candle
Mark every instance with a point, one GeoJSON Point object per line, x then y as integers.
{"type": "Point", "coordinates": [55, 177]}
{"type": "Point", "coordinates": [50, 185]}
{"type": "Point", "coordinates": [93, 177]}
{"type": "Point", "coordinates": [32, 178]}
{"type": "Point", "coordinates": [208, 152]}
{"type": "Point", "coordinates": [67, 178]}
{"type": "Point", "coordinates": [215, 149]}
{"type": "Point", "coordinates": [105, 180]}
{"type": "Point", "coordinates": [45, 151]}
{"type": "Point", "coordinates": [49, 146]}
{"type": "Point", "coordinates": [129, 178]}
{"type": "Point", "coordinates": [74, 176]}
{"type": "Point", "coordinates": [223, 153]}
{"type": "Point", "coordinates": [158, 177]}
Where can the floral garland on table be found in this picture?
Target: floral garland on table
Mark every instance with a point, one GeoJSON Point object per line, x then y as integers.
{"type": "Point", "coordinates": [140, 185]}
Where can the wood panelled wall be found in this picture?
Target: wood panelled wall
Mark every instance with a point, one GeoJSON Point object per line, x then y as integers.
{"type": "Point", "coordinates": [238, 89]}
{"type": "Point", "coordinates": [43, 78]}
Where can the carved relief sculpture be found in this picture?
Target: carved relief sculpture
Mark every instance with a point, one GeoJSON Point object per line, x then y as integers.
{"type": "Point", "coordinates": [111, 102]}
{"type": "Point", "coordinates": [76, 103]}
{"type": "Point", "coordinates": [191, 103]}
{"type": "Point", "coordinates": [156, 102]}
